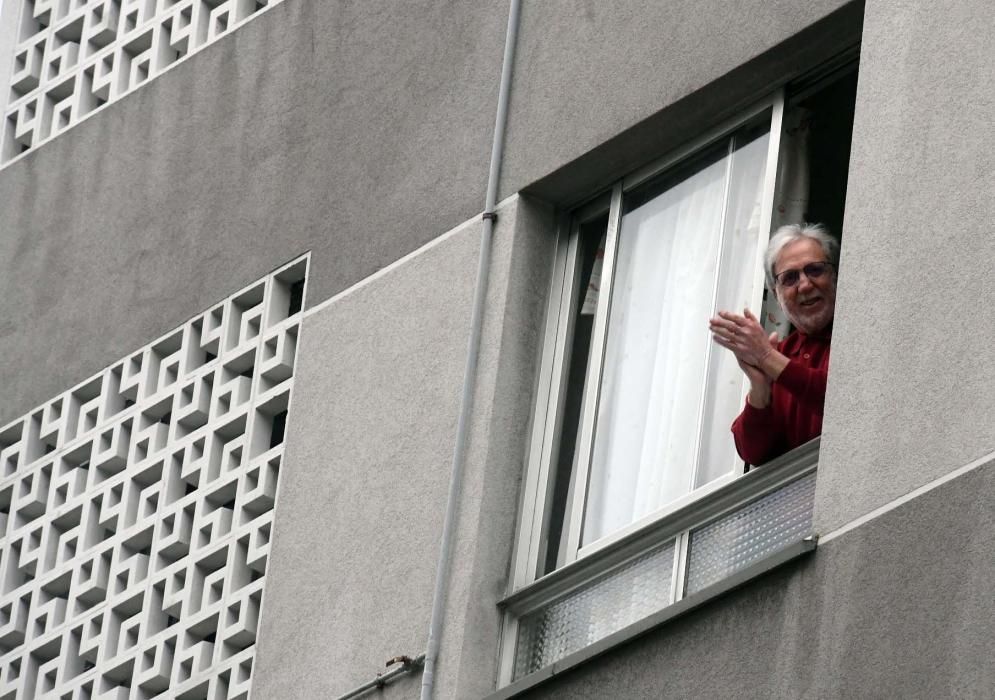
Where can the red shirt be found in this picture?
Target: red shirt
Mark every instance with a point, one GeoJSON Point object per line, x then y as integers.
{"type": "Point", "coordinates": [794, 415]}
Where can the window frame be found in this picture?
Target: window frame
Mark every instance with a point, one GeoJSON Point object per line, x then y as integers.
{"type": "Point", "coordinates": [546, 429]}
{"type": "Point", "coordinates": [587, 563]}
{"type": "Point", "coordinates": [529, 590]}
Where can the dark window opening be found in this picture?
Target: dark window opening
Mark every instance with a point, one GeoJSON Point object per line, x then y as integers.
{"type": "Point", "coordinates": [279, 428]}
{"type": "Point", "coordinates": [830, 132]}
{"type": "Point", "coordinates": [296, 297]}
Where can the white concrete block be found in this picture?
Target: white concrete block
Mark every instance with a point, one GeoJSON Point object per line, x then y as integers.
{"type": "Point", "coordinates": [139, 525]}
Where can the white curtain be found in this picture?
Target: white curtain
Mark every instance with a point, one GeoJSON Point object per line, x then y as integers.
{"type": "Point", "coordinates": [656, 356]}
{"type": "Point", "coordinates": [739, 274]}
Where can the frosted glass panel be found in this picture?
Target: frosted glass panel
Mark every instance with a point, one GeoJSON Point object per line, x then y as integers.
{"type": "Point", "coordinates": [734, 542]}
{"type": "Point", "coordinates": [622, 596]}
{"type": "Point", "coordinates": [617, 599]}
{"type": "Point", "coordinates": [677, 237]}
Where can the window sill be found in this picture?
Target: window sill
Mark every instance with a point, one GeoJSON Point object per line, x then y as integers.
{"type": "Point", "coordinates": [757, 482]}
{"type": "Point", "coordinates": [653, 621]}
{"type": "Point", "coordinates": [745, 528]}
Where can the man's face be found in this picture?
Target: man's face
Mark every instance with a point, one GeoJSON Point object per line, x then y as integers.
{"type": "Point", "coordinates": [811, 303]}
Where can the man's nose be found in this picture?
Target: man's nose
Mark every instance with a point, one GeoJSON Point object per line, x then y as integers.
{"type": "Point", "coordinates": [804, 283]}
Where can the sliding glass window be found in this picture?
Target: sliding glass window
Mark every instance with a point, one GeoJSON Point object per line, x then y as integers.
{"type": "Point", "coordinates": [640, 421]}
{"type": "Point", "coordinates": [634, 498]}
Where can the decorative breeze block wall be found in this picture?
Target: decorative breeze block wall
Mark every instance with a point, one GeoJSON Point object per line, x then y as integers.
{"type": "Point", "coordinates": [136, 511]}
{"type": "Point", "coordinates": [73, 56]}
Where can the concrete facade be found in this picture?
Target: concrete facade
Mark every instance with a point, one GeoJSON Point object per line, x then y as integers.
{"type": "Point", "coordinates": [922, 167]}
{"type": "Point", "coordinates": [361, 132]}
{"type": "Point", "coordinates": [375, 512]}
{"type": "Point", "coordinates": [250, 144]}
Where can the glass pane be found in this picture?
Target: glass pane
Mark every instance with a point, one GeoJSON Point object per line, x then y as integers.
{"type": "Point", "coordinates": [619, 598]}
{"type": "Point", "coordinates": [590, 257]}
{"type": "Point", "coordinates": [673, 234]}
{"type": "Point", "coordinates": [738, 271]}
{"type": "Point", "coordinates": [734, 542]}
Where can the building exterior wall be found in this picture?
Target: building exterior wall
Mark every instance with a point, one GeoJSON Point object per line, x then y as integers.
{"type": "Point", "coordinates": [646, 70]}
{"type": "Point", "coordinates": [922, 172]}
{"type": "Point", "coordinates": [363, 517]}
{"type": "Point", "coordinates": [361, 133]}
{"type": "Point", "coordinates": [863, 617]}
{"type": "Point", "coordinates": [237, 160]}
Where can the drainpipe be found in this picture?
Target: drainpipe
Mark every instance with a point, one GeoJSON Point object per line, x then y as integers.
{"type": "Point", "coordinates": [470, 370]}
{"type": "Point", "coordinates": [407, 665]}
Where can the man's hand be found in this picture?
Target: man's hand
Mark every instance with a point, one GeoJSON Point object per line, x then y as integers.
{"type": "Point", "coordinates": [759, 396]}
{"type": "Point", "coordinates": [756, 352]}
{"type": "Point", "coordinates": [754, 374]}
{"type": "Point", "coordinates": [744, 336]}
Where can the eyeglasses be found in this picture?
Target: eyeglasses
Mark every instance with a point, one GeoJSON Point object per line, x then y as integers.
{"type": "Point", "coordinates": [813, 271]}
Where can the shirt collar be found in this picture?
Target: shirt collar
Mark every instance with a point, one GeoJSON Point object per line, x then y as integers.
{"type": "Point", "coordinates": [824, 334]}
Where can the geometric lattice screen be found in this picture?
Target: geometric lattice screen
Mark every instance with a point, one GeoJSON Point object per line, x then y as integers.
{"type": "Point", "coordinates": [73, 56]}
{"type": "Point", "coordinates": [137, 509]}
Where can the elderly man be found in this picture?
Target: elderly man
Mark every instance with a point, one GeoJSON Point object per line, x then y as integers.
{"type": "Point", "coordinates": [787, 379]}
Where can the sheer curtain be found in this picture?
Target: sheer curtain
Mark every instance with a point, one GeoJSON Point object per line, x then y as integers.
{"type": "Point", "coordinates": [738, 274]}
{"type": "Point", "coordinates": [657, 349]}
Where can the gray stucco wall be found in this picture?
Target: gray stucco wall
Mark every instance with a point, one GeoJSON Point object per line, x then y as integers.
{"type": "Point", "coordinates": [862, 617]}
{"type": "Point", "coordinates": [912, 378]}
{"type": "Point", "coordinates": [355, 130]}
{"type": "Point", "coordinates": [601, 88]}
{"type": "Point", "coordinates": [363, 493]}
{"type": "Point", "coordinates": [513, 323]}
{"type": "Point", "coordinates": [361, 131]}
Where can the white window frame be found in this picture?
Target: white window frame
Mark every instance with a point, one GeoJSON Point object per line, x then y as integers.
{"type": "Point", "coordinates": [529, 591]}
{"type": "Point", "coordinates": [546, 426]}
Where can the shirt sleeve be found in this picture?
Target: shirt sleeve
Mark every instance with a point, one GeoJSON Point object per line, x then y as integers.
{"type": "Point", "coordinates": [806, 384]}
{"type": "Point", "coordinates": [757, 433]}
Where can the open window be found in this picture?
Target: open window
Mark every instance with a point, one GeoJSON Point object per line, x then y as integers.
{"type": "Point", "coordinates": [654, 401]}
{"type": "Point", "coordinates": [634, 403]}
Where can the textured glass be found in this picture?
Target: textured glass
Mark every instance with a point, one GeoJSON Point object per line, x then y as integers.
{"type": "Point", "coordinates": [748, 535]}
{"type": "Point", "coordinates": [619, 598]}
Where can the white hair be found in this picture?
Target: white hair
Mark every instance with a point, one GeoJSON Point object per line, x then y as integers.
{"type": "Point", "coordinates": [793, 232]}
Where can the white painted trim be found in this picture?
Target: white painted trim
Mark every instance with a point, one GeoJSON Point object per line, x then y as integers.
{"type": "Point", "coordinates": [10, 16]}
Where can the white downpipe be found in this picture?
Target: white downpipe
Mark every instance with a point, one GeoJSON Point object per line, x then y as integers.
{"type": "Point", "coordinates": [470, 370]}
